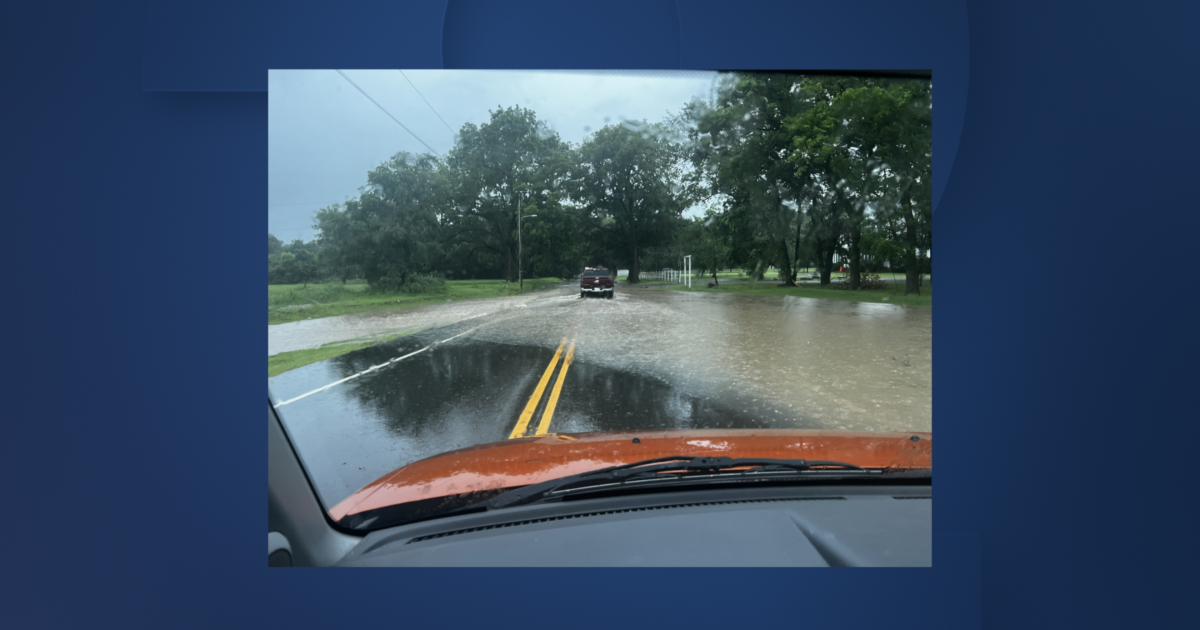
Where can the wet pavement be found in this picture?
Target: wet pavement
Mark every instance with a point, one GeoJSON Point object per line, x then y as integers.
{"type": "Point", "coordinates": [642, 360]}
{"type": "Point", "coordinates": [313, 333]}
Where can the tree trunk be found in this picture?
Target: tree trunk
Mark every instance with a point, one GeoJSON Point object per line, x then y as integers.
{"type": "Point", "coordinates": [912, 266]}
{"type": "Point", "coordinates": [824, 255]}
{"type": "Point", "coordinates": [855, 258]}
{"type": "Point", "coordinates": [785, 269]}
{"type": "Point", "coordinates": [799, 223]}
{"type": "Point", "coordinates": [510, 274]}
{"type": "Point", "coordinates": [635, 270]}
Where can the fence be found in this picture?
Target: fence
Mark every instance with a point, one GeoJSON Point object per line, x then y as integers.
{"type": "Point", "coordinates": [669, 275]}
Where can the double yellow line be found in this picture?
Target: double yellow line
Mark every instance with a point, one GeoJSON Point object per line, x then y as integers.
{"type": "Point", "coordinates": [531, 406]}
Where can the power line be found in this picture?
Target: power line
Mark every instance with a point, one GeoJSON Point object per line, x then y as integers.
{"type": "Point", "coordinates": [387, 112]}
{"type": "Point", "coordinates": [425, 99]}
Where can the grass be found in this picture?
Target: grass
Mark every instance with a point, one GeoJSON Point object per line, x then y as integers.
{"type": "Point", "coordinates": [284, 361]}
{"type": "Point", "coordinates": [894, 294]}
{"type": "Point", "coordinates": [292, 302]}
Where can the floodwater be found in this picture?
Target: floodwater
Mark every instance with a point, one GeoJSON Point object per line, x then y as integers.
{"type": "Point", "coordinates": [313, 333]}
{"type": "Point", "coordinates": [646, 359]}
{"type": "Point", "coordinates": [839, 365]}
{"type": "Point", "coordinates": [843, 365]}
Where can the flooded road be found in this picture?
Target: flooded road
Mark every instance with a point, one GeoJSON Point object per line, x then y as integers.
{"type": "Point", "coordinates": [646, 359]}
{"type": "Point", "coordinates": [313, 333]}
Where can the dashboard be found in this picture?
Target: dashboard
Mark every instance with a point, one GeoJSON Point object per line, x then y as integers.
{"type": "Point", "coordinates": [792, 526]}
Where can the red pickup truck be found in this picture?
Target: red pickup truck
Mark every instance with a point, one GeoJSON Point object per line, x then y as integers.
{"type": "Point", "coordinates": [596, 280]}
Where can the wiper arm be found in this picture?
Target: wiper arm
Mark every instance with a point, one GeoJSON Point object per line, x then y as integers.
{"type": "Point", "coordinates": [662, 469]}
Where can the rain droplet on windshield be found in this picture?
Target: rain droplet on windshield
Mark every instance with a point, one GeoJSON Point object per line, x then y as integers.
{"type": "Point", "coordinates": [586, 129]}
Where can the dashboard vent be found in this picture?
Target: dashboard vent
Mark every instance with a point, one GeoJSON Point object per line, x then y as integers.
{"type": "Point", "coordinates": [281, 558]}
{"type": "Point", "coordinates": [568, 517]}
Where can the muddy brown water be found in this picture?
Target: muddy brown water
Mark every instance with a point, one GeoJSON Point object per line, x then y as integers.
{"type": "Point", "coordinates": [313, 333]}
{"type": "Point", "coordinates": [794, 361]}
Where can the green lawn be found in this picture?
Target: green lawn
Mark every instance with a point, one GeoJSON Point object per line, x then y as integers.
{"type": "Point", "coordinates": [293, 302]}
{"type": "Point", "coordinates": [285, 361]}
{"type": "Point", "coordinates": [894, 294]}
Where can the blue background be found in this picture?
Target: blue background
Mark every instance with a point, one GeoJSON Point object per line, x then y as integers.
{"type": "Point", "coordinates": [134, 162]}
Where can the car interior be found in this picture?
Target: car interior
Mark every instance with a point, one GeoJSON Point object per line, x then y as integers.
{"type": "Point", "coordinates": [798, 525]}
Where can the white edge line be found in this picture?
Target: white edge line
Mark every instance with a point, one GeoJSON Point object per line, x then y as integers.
{"type": "Point", "coordinates": [373, 368]}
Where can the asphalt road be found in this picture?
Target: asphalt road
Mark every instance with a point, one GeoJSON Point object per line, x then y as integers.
{"type": "Point", "coordinates": [643, 360]}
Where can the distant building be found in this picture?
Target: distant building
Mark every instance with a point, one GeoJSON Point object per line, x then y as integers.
{"type": "Point", "coordinates": [622, 272]}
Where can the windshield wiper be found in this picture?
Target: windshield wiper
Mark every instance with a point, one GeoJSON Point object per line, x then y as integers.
{"type": "Point", "coordinates": [670, 470]}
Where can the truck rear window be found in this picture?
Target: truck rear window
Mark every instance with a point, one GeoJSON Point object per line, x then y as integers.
{"type": "Point", "coordinates": [595, 273]}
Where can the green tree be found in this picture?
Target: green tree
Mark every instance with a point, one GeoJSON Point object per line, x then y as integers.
{"type": "Point", "coordinates": [303, 265]}
{"type": "Point", "coordinates": [294, 263]}
{"type": "Point", "coordinates": [555, 242]}
{"type": "Point", "coordinates": [739, 148]}
{"type": "Point", "coordinates": [708, 238]}
{"type": "Point", "coordinates": [885, 126]}
{"type": "Point", "coordinates": [512, 159]}
{"type": "Point", "coordinates": [861, 148]}
{"type": "Point", "coordinates": [391, 232]}
{"type": "Point", "coordinates": [630, 173]}
{"type": "Point", "coordinates": [821, 158]}
{"type": "Point", "coordinates": [335, 258]}
{"type": "Point", "coordinates": [279, 267]}
{"type": "Point", "coordinates": [274, 245]}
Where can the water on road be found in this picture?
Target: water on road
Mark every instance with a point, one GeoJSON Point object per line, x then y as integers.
{"type": "Point", "coordinates": [842, 365]}
{"type": "Point", "coordinates": [646, 359]}
{"type": "Point", "coordinates": [313, 333]}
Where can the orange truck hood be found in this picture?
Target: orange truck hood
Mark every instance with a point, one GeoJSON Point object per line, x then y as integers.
{"type": "Point", "coordinates": [525, 461]}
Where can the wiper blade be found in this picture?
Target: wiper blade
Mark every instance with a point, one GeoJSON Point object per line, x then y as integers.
{"type": "Point", "coordinates": [669, 469]}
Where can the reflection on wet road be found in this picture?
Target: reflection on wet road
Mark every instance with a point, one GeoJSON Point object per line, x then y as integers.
{"type": "Point", "coordinates": [644, 360]}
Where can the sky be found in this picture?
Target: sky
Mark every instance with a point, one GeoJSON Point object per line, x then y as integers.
{"type": "Point", "coordinates": [324, 135]}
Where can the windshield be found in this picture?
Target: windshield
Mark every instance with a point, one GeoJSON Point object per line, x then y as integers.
{"type": "Point", "coordinates": [768, 237]}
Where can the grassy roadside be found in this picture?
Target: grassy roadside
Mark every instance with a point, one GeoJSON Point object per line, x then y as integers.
{"type": "Point", "coordinates": [284, 361]}
{"type": "Point", "coordinates": [894, 294]}
{"type": "Point", "coordinates": [292, 302]}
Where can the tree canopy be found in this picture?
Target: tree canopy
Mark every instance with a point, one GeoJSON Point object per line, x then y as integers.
{"type": "Point", "coordinates": [790, 171]}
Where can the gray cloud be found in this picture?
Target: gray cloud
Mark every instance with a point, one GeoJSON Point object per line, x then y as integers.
{"type": "Point", "coordinates": [324, 135]}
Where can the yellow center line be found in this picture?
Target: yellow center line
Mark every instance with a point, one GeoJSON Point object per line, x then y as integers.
{"type": "Point", "coordinates": [527, 415]}
{"type": "Point", "coordinates": [548, 414]}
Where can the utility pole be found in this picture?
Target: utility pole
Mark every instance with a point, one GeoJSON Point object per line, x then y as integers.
{"type": "Point", "coordinates": [520, 277]}
{"type": "Point", "coordinates": [520, 262]}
